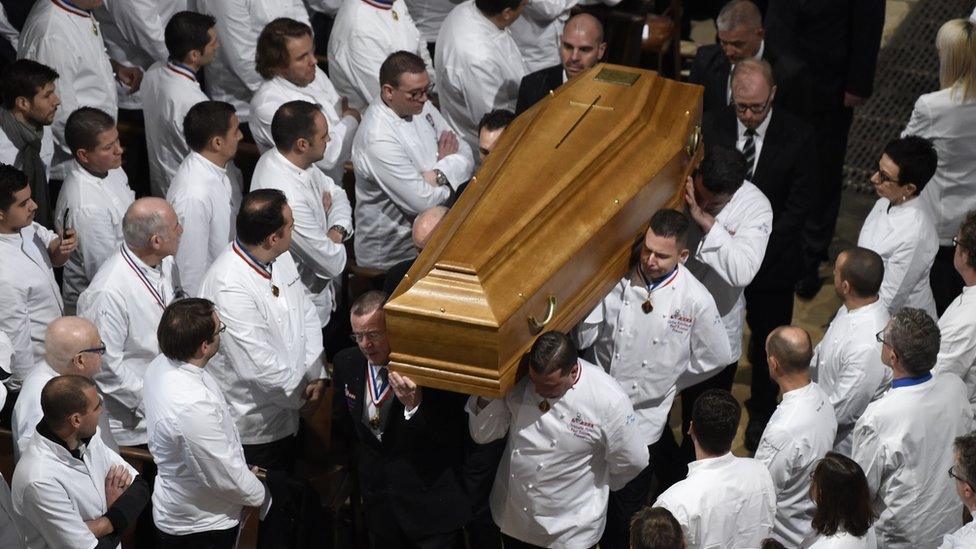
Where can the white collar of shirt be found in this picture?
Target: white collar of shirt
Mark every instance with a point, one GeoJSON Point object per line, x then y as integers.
{"type": "Point", "coordinates": [798, 392]}
{"type": "Point", "coordinates": [760, 130]}
{"type": "Point", "coordinates": [289, 85]}
{"type": "Point", "coordinates": [391, 114]}
{"type": "Point", "coordinates": [702, 465]}
{"type": "Point", "coordinates": [204, 161]}
{"type": "Point", "coordinates": [483, 21]}
{"type": "Point", "coordinates": [156, 272]}
{"type": "Point", "coordinates": [286, 165]}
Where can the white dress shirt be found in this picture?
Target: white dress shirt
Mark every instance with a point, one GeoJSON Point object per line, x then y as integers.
{"type": "Point", "coordinates": [429, 15]}
{"type": "Point", "coordinates": [54, 493]}
{"type": "Point", "coordinates": [757, 139]}
{"type": "Point", "coordinates": [957, 349]}
{"type": "Point", "coordinates": [231, 76]}
{"type": "Point", "coordinates": [950, 123]}
{"type": "Point", "coordinates": [725, 502]}
{"type": "Point", "coordinates": [799, 433]}
{"type": "Point", "coordinates": [206, 198]}
{"type": "Point", "coordinates": [903, 442]}
{"type": "Point", "coordinates": [842, 540]}
{"type": "Point", "coordinates": [904, 236]}
{"type": "Point", "coordinates": [69, 41]}
{"type": "Point", "coordinates": [272, 347]}
{"type": "Point", "coordinates": [320, 261]}
{"type": "Point", "coordinates": [729, 256]}
{"type": "Point", "coordinates": [203, 480]}
{"type": "Point", "coordinates": [963, 538]}
{"type": "Point", "coordinates": [95, 207]}
{"type": "Point", "coordinates": [552, 485]}
{"type": "Point", "coordinates": [847, 366]}
{"type": "Point", "coordinates": [125, 301]}
{"type": "Point", "coordinates": [30, 297]}
{"type": "Point", "coordinates": [168, 91]}
{"type": "Point", "coordinates": [389, 156]}
{"type": "Point", "coordinates": [8, 153]}
{"type": "Point", "coordinates": [27, 412]}
{"type": "Point", "coordinates": [342, 129]}
{"type": "Point", "coordinates": [647, 353]}
{"type": "Point", "coordinates": [479, 69]}
{"type": "Point", "coordinates": [363, 36]}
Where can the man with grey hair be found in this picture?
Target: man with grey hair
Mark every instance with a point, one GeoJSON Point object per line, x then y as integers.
{"type": "Point", "coordinates": [125, 301]}
{"type": "Point", "coordinates": [72, 345]}
{"type": "Point", "coordinates": [423, 231]}
{"type": "Point", "coordinates": [741, 36]}
{"type": "Point", "coordinates": [903, 441]}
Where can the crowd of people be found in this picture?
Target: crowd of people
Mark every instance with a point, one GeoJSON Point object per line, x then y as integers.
{"type": "Point", "coordinates": [199, 312]}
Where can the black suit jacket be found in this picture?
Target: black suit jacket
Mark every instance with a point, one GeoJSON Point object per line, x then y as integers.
{"type": "Point", "coordinates": [837, 39]}
{"type": "Point", "coordinates": [414, 475]}
{"type": "Point", "coordinates": [711, 68]}
{"type": "Point", "coordinates": [786, 173]}
{"type": "Point", "coordinates": [534, 87]}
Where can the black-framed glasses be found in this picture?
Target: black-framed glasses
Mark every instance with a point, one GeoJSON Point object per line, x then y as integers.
{"type": "Point", "coordinates": [880, 337]}
{"type": "Point", "coordinates": [885, 178]}
{"type": "Point", "coordinates": [97, 350]}
{"type": "Point", "coordinates": [221, 327]}
{"type": "Point", "coordinates": [367, 336]}
{"type": "Point", "coordinates": [955, 241]}
{"type": "Point", "coordinates": [755, 109]}
{"type": "Point", "coordinates": [952, 474]}
{"type": "Point", "coordinates": [423, 92]}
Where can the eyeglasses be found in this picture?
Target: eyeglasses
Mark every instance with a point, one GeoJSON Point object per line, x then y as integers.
{"type": "Point", "coordinates": [952, 474]}
{"type": "Point", "coordinates": [368, 336]}
{"type": "Point", "coordinates": [755, 109]}
{"type": "Point", "coordinates": [955, 241]}
{"type": "Point", "coordinates": [885, 178]}
{"type": "Point", "coordinates": [417, 94]}
{"type": "Point", "coordinates": [97, 350]}
{"type": "Point", "coordinates": [880, 337]}
{"type": "Point", "coordinates": [221, 327]}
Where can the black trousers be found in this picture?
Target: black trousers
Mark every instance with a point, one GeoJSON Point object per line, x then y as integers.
{"type": "Point", "coordinates": [480, 465]}
{"type": "Point", "coordinates": [944, 279]}
{"type": "Point", "coordinates": [623, 505]}
{"type": "Point", "coordinates": [766, 310]}
{"type": "Point", "coordinates": [686, 451]}
{"type": "Point", "coordinates": [214, 539]}
{"type": "Point", "coordinates": [394, 538]}
{"type": "Point", "coordinates": [278, 455]}
{"type": "Point", "coordinates": [831, 128]}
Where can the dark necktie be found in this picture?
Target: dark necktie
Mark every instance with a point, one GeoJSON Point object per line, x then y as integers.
{"type": "Point", "coordinates": [749, 151]}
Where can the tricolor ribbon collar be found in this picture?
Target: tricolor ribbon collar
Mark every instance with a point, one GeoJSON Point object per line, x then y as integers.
{"type": "Point", "coordinates": [263, 270]}
{"type": "Point", "coordinates": [71, 8]}
{"type": "Point", "coordinates": [182, 70]}
{"type": "Point", "coordinates": [379, 388]}
{"type": "Point", "coordinates": [652, 287]}
{"type": "Point", "coordinates": [131, 262]}
{"type": "Point", "coordinates": [381, 4]}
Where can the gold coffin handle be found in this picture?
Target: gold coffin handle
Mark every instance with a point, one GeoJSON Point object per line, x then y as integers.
{"type": "Point", "coordinates": [694, 139]}
{"type": "Point", "coordinates": [534, 325]}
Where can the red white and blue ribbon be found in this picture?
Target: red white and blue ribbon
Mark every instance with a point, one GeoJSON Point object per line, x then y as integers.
{"type": "Point", "coordinates": [378, 385]}
{"type": "Point", "coordinates": [182, 70]}
{"type": "Point", "coordinates": [258, 267]}
{"type": "Point", "coordinates": [130, 261]}
{"type": "Point", "coordinates": [668, 279]}
{"type": "Point", "coordinates": [381, 4]}
{"type": "Point", "coordinates": [71, 8]}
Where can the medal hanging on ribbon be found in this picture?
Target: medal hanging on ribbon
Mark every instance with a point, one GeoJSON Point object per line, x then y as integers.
{"type": "Point", "coordinates": [647, 306]}
{"type": "Point", "coordinates": [378, 386]}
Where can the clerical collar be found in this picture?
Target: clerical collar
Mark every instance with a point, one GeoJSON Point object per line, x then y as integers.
{"type": "Point", "coordinates": [67, 6]}
{"type": "Point", "coordinates": [909, 381]}
{"type": "Point", "coordinates": [380, 4]}
{"type": "Point", "coordinates": [46, 432]}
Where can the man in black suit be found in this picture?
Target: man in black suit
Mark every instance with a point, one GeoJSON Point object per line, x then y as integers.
{"type": "Point", "coordinates": [740, 36]}
{"type": "Point", "coordinates": [410, 442]}
{"type": "Point", "coordinates": [839, 42]}
{"type": "Point", "coordinates": [782, 149]}
{"type": "Point", "coordinates": [580, 47]}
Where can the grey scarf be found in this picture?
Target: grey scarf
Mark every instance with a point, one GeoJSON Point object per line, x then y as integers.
{"type": "Point", "coordinates": [27, 140]}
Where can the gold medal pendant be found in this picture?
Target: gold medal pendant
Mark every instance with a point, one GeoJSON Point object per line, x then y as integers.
{"type": "Point", "coordinates": [395, 16]}
{"type": "Point", "coordinates": [274, 290]}
{"type": "Point", "coordinates": [544, 406]}
{"type": "Point", "coordinates": [647, 307]}
{"type": "Point", "coordinates": [94, 28]}
{"type": "Point", "coordinates": [374, 422]}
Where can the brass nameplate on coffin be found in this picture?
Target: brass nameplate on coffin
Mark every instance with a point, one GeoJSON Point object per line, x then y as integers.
{"type": "Point", "coordinates": [614, 76]}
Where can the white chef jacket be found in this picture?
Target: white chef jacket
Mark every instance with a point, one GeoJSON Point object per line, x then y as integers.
{"type": "Point", "coordinates": [319, 259]}
{"type": "Point", "coordinates": [538, 31]}
{"type": "Point", "coordinates": [69, 41]}
{"type": "Point", "coordinates": [328, 7]}
{"type": "Point", "coordinates": [6, 357]}
{"type": "Point", "coordinates": [552, 485]}
{"type": "Point", "coordinates": [8, 31]}
{"type": "Point", "coordinates": [725, 502]}
{"type": "Point", "coordinates": [206, 198]}
{"type": "Point", "coordinates": [272, 347]}
{"type": "Point", "coordinates": [231, 76]}
{"type": "Point", "coordinates": [125, 301]}
{"type": "Point", "coordinates": [8, 153]}
{"type": "Point", "coordinates": [479, 69]}
{"type": "Point", "coordinates": [27, 412]}
{"type": "Point", "coordinates": [429, 15]}
{"type": "Point", "coordinates": [842, 540]}
{"type": "Point", "coordinates": [963, 538]}
{"type": "Point", "coordinates": [30, 296]}
{"type": "Point", "coordinates": [168, 91]}
{"type": "Point", "coordinates": [950, 123]}
{"type": "Point", "coordinates": [799, 433]}
{"type": "Point", "coordinates": [276, 92]}
{"type": "Point", "coordinates": [54, 493]}
{"type": "Point", "coordinates": [957, 349]}
{"type": "Point", "coordinates": [904, 236]}
{"type": "Point", "coordinates": [203, 480]}
{"type": "Point", "coordinates": [95, 208]}
{"type": "Point", "coordinates": [647, 352]}
{"type": "Point", "coordinates": [363, 36]}
{"type": "Point", "coordinates": [389, 155]}
{"type": "Point", "coordinates": [847, 366]}
{"type": "Point", "coordinates": [729, 256]}
{"type": "Point", "coordinates": [904, 444]}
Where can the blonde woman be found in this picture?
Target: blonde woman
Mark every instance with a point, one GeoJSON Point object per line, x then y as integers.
{"type": "Point", "coordinates": [948, 118]}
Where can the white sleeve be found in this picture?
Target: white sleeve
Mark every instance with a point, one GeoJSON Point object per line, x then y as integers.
{"type": "Point", "coordinates": [778, 452]}
{"type": "Point", "coordinates": [904, 269]}
{"type": "Point", "coordinates": [218, 465]}
{"type": "Point", "coordinates": [588, 330]}
{"type": "Point", "coordinates": [850, 396]}
{"type": "Point", "coordinates": [7, 31]}
{"type": "Point", "coordinates": [710, 347]}
{"type": "Point", "coordinates": [737, 258]}
{"type": "Point", "coordinates": [458, 166]}
{"type": "Point", "coordinates": [957, 351]}
{"type": "Point", "coordinates": [396, 174]}
{"type": "Point", "coordinates": [97, 238]}
{"type": "Point", "coordinates": [50, 510]}
{"type": "Point", "coordinates": [15, 322]}
{"type": "Point", "coordinates": [626, 453]}
{"type": "Point", "coordinates": [341, 211]}
{"type": "Point", "coordinates": [491, 422]}
{"type": "Point", "coordinates": [547, 11]}
{"type": "Point", "coordinates": [365, 54]}
{"type": "Point", "coordinates": [191, 256]}
{"type": "Point", "coordinates": [341, 135]}
{"type": "Point", "coordinates": [920, 123]}
{"type": "Point", "coordinates": [141, 23]}
{"type": "Point", "coordinates": [869, 452]}
{"type": "Point", "coordinates": [310, 243]}
{"type": "Point", "coordinates": [480, 87]}
{"type": "Point", "coordinates": [238, 39]}
{"type": "Point", "coordinates": [314, 349]}
{"type": "Point", "coordinates": [116, 378]}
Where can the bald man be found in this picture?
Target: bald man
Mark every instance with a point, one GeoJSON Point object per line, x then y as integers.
{"type": "Point", "coordinates": [71, 346]}
{"type": "Point", "coordinates": [581, 46]}
{"type": "Point", "coordinates": [125, 301]}
{"type": "Point", "coordinates": [800, 432]}
{"type": "Point", "coordinates": [423, 231]}
{"type": "Point", "coordinates": [778, 147]}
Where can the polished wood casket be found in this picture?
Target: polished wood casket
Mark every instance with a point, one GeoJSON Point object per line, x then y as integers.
{"type": "Point", "coordinates": [546, 228]}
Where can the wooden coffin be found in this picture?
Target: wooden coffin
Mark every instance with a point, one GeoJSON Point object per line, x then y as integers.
{"type": "Point", "coordinates": [545, 229]}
